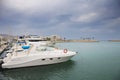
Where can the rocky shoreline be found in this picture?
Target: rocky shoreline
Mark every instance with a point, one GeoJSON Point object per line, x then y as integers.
{"type": "Point", "coordinates": [77, 41]}
{"type": "Point", "coordinates": [114, 40]}
{"type": "Point", "coordinates": [2, 47]}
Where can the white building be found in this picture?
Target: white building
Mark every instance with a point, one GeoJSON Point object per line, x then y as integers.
{"type": "Point", "coordinates": [55, 38]}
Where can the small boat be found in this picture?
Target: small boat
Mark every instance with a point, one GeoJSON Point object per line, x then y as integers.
{"type": "Point", "coordinates": [26, 55]}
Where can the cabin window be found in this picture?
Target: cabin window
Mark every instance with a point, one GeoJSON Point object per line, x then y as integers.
{"type": "Point", "coordinates": [36, 40]}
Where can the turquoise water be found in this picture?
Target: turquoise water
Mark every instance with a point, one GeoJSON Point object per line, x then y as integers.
{"type": "Point", "coordinates": [94, 61]}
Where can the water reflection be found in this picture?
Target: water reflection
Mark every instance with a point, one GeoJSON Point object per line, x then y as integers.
{"type": "Point", "coordinates": [48, 72]}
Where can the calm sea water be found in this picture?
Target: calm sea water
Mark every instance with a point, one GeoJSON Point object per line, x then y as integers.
{"type": "Point", "coordinates": [94, 61]}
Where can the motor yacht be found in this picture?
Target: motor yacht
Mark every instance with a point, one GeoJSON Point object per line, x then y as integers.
{"type": "Point", "coordinates": [35, 39]}
{"type": "Point", "coordinates": [25, 54]}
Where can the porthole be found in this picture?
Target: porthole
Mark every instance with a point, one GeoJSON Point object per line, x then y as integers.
{"type": "Point", "coordinates": [59, 58]}
{"type": "Point", "coordinates": [43, 59]}
{"type": "Point", "coordinates": [51, 58]}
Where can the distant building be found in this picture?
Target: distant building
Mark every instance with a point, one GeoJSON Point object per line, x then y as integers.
{"type": "Point", "coordinates": [55, 38]}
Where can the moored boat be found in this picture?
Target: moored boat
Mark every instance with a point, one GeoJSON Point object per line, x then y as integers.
{"type": "Point", "coordinates": [24, 54]}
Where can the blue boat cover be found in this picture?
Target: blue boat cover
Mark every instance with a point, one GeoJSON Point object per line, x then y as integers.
{"type": "Point", "coordinates": [25, 47]}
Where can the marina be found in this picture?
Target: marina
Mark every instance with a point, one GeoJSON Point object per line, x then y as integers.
{"type": "Point", "coordinates": [94, 61]}
{"type": "Point", "coordinates": [59, 40]}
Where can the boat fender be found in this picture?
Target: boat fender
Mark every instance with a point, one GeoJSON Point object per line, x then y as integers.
{"type": "Point", "coordinates": [65, 50]}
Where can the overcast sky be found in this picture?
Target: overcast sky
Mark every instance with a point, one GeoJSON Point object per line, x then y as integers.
{"type": "Point", "coordinates": [72, 19]}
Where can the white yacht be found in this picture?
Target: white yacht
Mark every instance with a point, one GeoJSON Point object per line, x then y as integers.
{"type": "Point", "coordinates": [35, 39]}
{"type": "Point", "coordinates": [24, 54]}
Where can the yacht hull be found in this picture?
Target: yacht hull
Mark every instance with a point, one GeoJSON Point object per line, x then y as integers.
{"type": "Point", "coordinates": [41, 61]}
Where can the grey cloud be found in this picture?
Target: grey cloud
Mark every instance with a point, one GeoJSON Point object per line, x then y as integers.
{"type": "Point", "coordinates": [63, 17]}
